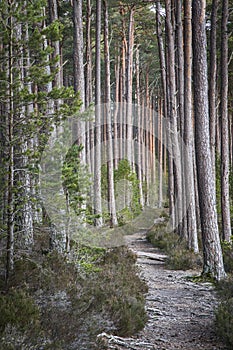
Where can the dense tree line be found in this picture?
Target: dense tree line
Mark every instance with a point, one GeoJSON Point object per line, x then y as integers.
{"type": "Point", "coordinates": [157, 78]}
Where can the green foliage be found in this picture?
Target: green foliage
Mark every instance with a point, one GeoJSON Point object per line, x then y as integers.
{"type": "Point", "coordinates": [41, 70]}
{"type": "Point", "coordinates": [54, 31]}
{"type": "Point", "coordinates": [37, 104]}
{"type": "Point", "coordinates": [125, 181]}
{"type": "Point", "coordinates": [76, 179]}
{"type": "Point", "coordinates": [224, 322]}
{"type": "Point", "coordinates": [18, 309]}
{"type": "Point", "coordinates": [87, 258]}
{"type": "Point", "coordinates": [227, 250]}
{"type": "Point", "coordinates": [224, 312]}
{"type": "Point", "coordinates": [123, 171]}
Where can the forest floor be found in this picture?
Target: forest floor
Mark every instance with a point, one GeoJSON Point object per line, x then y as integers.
{"type": "Point", "coordinates": [180, 311]}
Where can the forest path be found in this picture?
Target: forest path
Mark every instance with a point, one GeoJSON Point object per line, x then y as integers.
{"type": "Point", "coordinates": [180, 312]}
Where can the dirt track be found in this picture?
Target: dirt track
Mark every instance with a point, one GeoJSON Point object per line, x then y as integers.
{"type": "Point", "coordinates": [181, 313]}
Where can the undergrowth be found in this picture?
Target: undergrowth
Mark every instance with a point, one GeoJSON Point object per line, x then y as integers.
{"type": "Point", "coordinates": [224, 312]}
{"type": "Point", "coordinates": [179, 257]}
{"type": "Point", "coordinates": [56, 301]}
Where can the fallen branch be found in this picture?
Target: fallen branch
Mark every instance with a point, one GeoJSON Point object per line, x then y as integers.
{"type": "Point", "coordinates": [127, 343]}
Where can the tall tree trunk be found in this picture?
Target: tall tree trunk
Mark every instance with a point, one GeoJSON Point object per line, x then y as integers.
{"type": "Point", "coordinates": [225, 197]}
{"type": "Point", "coordinates": [79, 132]}
{"type": "Point", "coordinates": [212, 79]}
{"type": "Point", "coordinates": [160, 151]}
{"type": "Point", "coordinates": [88, 67]}
{"type": "Point", "coordinates": [129, 85]}
{"type": "Point", "coordinates": [213, 261]}
{"type": "Point", "coordinates": [172, 111]}
{"type": "Point", "coordinates": [116, 112]}
{"type": "Point", "coordinates": [188, 129]}
{"type": "Point", "coordinates": [79, 81]}
{"type": "Point", "coordinates": [98, 119]}
{"type": "Point", "coordinates": [139, 127]}
{"type": "Point", "coordinates": [147, 137]}
{"type": "Point", "coordinates": [88, 89]}
{"type": "Point", "coordinates": [110, 167]}
{"type": "Point", "coordinates": [10, 136]}
{"type": "Point", "coordinates": [180, 101]}
{"type": "Point", "coordinates": [122, 91]}
{"type": "Point", "coordinates": [162, 58]}
{"type": "Point", "coordinates": [164, 106]}
{"type": "Point", "coordinates": [53, 16]}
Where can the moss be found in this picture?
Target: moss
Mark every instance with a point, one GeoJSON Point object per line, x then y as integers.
{"type": "Point", "coordinates": [206, 278]}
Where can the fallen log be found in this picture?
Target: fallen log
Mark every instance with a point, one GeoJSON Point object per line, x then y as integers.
{"type": "Point", "coordinates": [151, 256]}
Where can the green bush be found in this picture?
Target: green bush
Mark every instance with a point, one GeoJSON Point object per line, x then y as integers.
{"type": "Point", "coordinates": [90, 291]}
{"type": "Point", "coordinates": [18, 309]}
{"type": "Point", "coordinates": [179, 256]}
{"type": "Point", "coordinates": [183, 259]}
{"type": "Point", "coordinates": [227, 250]}
{"type": "Point", "coordinates": [131, 315]}
{"type": "Point", "coordinates": [121, 291]}
{"type": "Point", "coordinates": [123, 175]}
{"type": "Point", "coordinates": [224, 312]}
{"type": "Point", "coordinates": [53, 272]}
{"type": "Point", "coordinates": [160, 238]}
{"type": "Point", "coordinates": [224, 322]}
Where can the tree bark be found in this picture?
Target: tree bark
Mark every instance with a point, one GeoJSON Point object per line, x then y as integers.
{"type": "Point", "coordinates": [129, 86]}
{"type": "Point", "coordinates": [110, 167]}
{"type": "Point", "coordinates": [188, 130]}
{"type": "Point", "coordinates": [213, 261]}
{"type": "Point", "coordinates": [88, 68]}
{"type": "Point", "coordinates": [97, 172]}
{"type": "Point", "coordinates": [172, 111]}
{"type": "Point", "coordinates": [212, 80]}
{"type": "Point", "coordinates": [10, 136]}
{"type": "Point", "coordinates": [139, 127]}
{"type": "Point", "coordinates": [79, 81]}
{"type": "Point", "coordinates": [225, 196]}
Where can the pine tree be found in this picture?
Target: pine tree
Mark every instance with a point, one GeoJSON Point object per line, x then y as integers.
{"type": "Point", "coordinates": [213, 261]}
